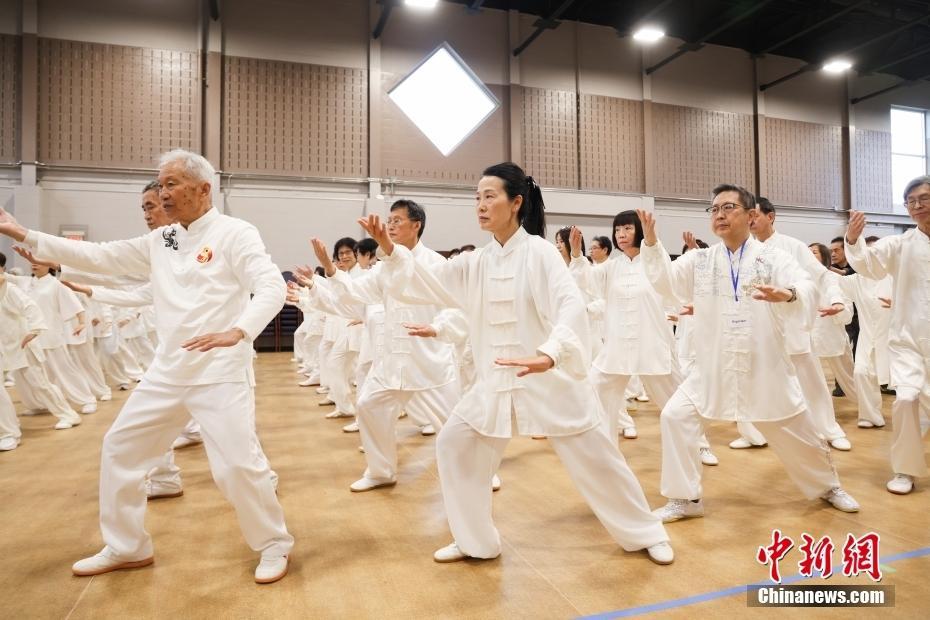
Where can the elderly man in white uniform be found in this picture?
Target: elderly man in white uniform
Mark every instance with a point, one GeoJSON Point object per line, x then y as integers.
{"type": "Point", "coordinates": [906, 258]}
{"type": "Point", "coordinates": [745, 293]}
{"type": "Point", "coordinates": [203, 271]}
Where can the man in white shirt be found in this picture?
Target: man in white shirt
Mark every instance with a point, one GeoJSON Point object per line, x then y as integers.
{"type": "Point", "coordinates": [203, 271]}
{"type": "Point", "coordinates": [745, 293]}
{"type": "Point", "coordinates": [906, 258]}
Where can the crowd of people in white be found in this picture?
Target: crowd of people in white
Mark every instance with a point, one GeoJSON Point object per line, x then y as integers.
{"type": "Point", "coordinates": [520, 336]}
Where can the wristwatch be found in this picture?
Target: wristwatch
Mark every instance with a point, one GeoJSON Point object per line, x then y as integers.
{"type": "Point", "coordinates": [794, 294]}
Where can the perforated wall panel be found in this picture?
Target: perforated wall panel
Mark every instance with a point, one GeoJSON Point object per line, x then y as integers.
{"type": "Point", "coordinates": [9, 95]}
{"type": "Point", "coordinates": [114, 105]}
{"type": "Point", "coordinates": [294, 118]}
{"type": "Point", "coordinates": [872, 165]}
{"type": "Point", "coordinates": [550, 137]}
{"type": "Point", "coordinates": [697, 149]}
{"type": "Point", "coordinates": [803, 163]}
{"type": "Point", "coordinates": [611, 144]}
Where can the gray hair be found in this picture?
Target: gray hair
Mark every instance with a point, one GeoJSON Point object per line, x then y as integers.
{"type": "Point", "coordinates": [195, 165]}
{"type": "Point", "coordinates": [915, 183]}
{"type": "Point", "coordinates": [150, 186]}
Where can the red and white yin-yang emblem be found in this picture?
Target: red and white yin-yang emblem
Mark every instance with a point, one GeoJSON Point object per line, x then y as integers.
{"type": "Point", "coordinates": [205, 255]}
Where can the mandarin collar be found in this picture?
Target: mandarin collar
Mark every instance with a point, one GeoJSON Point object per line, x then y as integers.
{"type": "Point", "coordinates": [516, 239]}
{"type": "Point", "coordinates": [198, 225]}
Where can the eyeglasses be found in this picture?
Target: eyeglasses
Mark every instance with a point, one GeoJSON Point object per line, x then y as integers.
{"type": "Point", "coordinates": [396, 221]}
{"type": "Point", "coordinates": [924, 200]}
{"type": "Point", "coordinates": [727, 208]}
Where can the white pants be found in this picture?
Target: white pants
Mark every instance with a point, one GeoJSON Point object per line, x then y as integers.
{"type": "Point", "coordinates": [142, 350]}
{"type": "Point", "coordinates": [9, 425]}
{"type": "Point", "coordinates": [37, 392]}
{"type": "Point", "coordinates": [326, 372]}
{"type": "Point", "coordinates": [63, 373]}
{"type": "Point", "coordinates": [907, 447]}
{"type": "Point", "coordinates": [151, 419]}
{"type": "Point", "coordinates": [842, 368]}
{"type": "Point", "coordinates": [868, 390]}
{"type": "Point", "coordinates": [377, 418]}
{"type": "Point", "coordinates": [802, 450]}
{"type": "Point", "coordinates": [311, 356]}
{"type": "Point", "coordinates": [342, 371]}
{"type": "Point", "coordinates": [87, 362]}
{"type": "Point", "coordinates": [467, 461]}
{"type": "Point", "coordinates": [611, 389]}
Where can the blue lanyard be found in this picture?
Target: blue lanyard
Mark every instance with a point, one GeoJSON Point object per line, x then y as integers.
{"type": "Point", "coordinates": [734, 277]}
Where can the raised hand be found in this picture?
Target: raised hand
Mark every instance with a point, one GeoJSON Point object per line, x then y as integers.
{"type": "Point", "coordinates": [10, 227]}
{"type": "Point", "coordinates": [649, 227]}
{"type": "Point", "coordinates": [29, 256]}
{"type": "Point", "coordinates": [79, 288]}
{"type": "Point", "coordinates": [689, 239]}
{"type": "Point", "coordinates": [834, 309]}
{"type": "Point", "coordinates": [856, 226]}
{"type": "Point", "coordinates": [206, 342]}
{"type": "Point", "coordinates": [423, 331]}
{"type": "Point", "coordinates": [322, 255]}
{"type": "Point", "coordinates": [377, 231]}
{"type": "Point", "coordinates": [528, 365]}
{"type": "Point", "coordinates": [574, 240]}
{"type": "Point", "coordinates": [771, 294]}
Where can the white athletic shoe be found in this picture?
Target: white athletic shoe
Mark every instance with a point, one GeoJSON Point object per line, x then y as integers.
{"type": "Point", "coordinates": [107, 396]}
{"type": "Point", "coordinates": [630, 433]}
{"type": "Point", "coordinates": [185, 442]}
{"type": "Point", "coordinates": [102, 563]}
{"type": "Point", "coordinates": [677, 509]}
{"type": "Point", "coordinates": [271, 569]}
{"type": "Point", "coordinates": [841, 500]}
{"type": "Point", "coordinates": [8, 443]}
{"type": "Point", "coordinates": [741, 443]}
{"type": "Point", "coordinates": [643, 398]}
{"type": "Point", "coordinates": [841, 443]}
{"type": "Point", "coordinates": [339, 414]}
{"type": "Point", "coordinates": [708, 457]}
{"type": "Point", "coordinates": [368, 484]}
{"type": "Point", "coordinates": [308, 382]}
{"type": "Point", "coordinates": [89, 408]}
{"type": "Point", "coordinates": [901, 484]}
{"type": "Point", "coordinates": [65, 425]}
{"type": "Point", "coordinates": [449, 553]}
{"type": "Point", "coordinates": [326, 402]}
{"type": "Point", "coordinates": [322, 390]}
{"type": "Point", "coordinates": [661, 553]}
{"type": "Point", "coordinates": [495, 483]}
{"type": "Point", "coordinates": [161, 490]}
{"type": "Point", "coordinates": [350, 428]}
{"type": "Point", "coordinates": [428, 430]}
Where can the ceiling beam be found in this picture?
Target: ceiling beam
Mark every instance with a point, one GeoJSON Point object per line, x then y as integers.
{"type": "Point", "coordinates": [888, 89]}
{"type": "Point", "coordinates": [915, 54]}
{"type": "Point", "coordinates": [543, 24]}
{"type": "Point", "coordinates": [474, 6]}
{"type": "Point", "coordinates": [815, 26]}
{"type": "Point", "coordinates": [386, 7]}
{"type": "Point", "coordinates": [684, 48]}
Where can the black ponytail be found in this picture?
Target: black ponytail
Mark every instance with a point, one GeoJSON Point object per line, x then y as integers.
{"type": "Point", "coordinates": [532, 213]}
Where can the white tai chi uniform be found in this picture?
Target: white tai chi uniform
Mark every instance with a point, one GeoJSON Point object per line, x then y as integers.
{"type": "Point", "coordinates": [408, 368]}
{"type": "Point", "coordinates": [20, 316]}
{"type": "Point", "coordinates": [830, 343]}
{"type": "Point", "coordinates": [83, 354]}
{"type": "Point", "coordinates": [906, 258]}
{"type": "Point", "coordinates": [201, 278]}
{"type": "Point", "coordinates": [520, 300]}
{"type": "Point", "coordinates": [870, 369]}
{"type": "Point", "coordinates": [742, 368]}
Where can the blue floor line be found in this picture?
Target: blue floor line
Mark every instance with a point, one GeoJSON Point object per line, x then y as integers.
{"type": "Point", "coordinates": [709, 596]}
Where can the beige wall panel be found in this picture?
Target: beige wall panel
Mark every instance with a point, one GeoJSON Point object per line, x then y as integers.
{"type": "Point", "coordinates": [813, 97]}
{"type": "Point", "coordinates": [803, 163]}
{"type": "Point", "coordinates": [407, 154]}
{"type": "Point", "coordinates": [610, 65]}
{"type": "Point", "coordinates": [714, 78]}
{"type": "Point", "coordinates": [291, 118]}
{"type": "Point", "coordinates": [110, 105]}
{"type": "Point", "coordinates": [161, 24]}
{"type": "Point", "coordinates": [480, 39]}
{"type": "Point", "coordinates": [322, 32]}
{"type": "Point", "coordinates": [549, 62]}
{"type": "Point", "coordinates": [9, 97]}
{"type": "Point", "coordinates": [697, 149]}
{"type": "Point", "coordinates": [875, 113]}
{"type": "Point", "coordinates": [612, 144]}
{"type": "Point", "coordinates": [550, 137]}
{"type": "Point", "coordinates": [872, 163]}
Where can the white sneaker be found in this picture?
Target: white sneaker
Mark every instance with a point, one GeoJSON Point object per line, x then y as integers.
{"type": "Point", "coordinates": [901, 484]}
{"type": "Point", "coordinates": [102, 563]}
{"type": "Point", "coordinates": [106, 397]}
{"type": "Point", "coordinates": [841, 500]}
{"type": "Point", "coordinates": [677, 509]}
{"type": "Point", "coordinates": [326, 402]}
{"type": "Point", "coordinates": [661, 553]}
{"type": "Point", "coordinates": [449, 553]}
{"type": "Point", "coordinates": [630, 433]}
{"type": "Point", "coordinates": [8, 383]}
{"type": "Point", "coordinates": [89, 408]}
{"type": "Point", "coordinates": [495, 483]}
{"type": "Point", "coordinates": [428, 430]}
{"type": "Point", "coordinates": [339, 414]}
{"type": "Point", "coordinates": [8, 443]}
{"type": "Point", "coordinates": [368, 484]}
{"type": "Point", "coordinates": [308, 382]}
{"type": "Point", "coordinates": [841, 443]}
{"type": "Point", "coordinates": [708, 457]}
{"type": "Point", "coordinates": [64, 425]}
{"type": "Point", "coordinates": [185, 442]}
{"type": "Point", "coordinates": [350, 428]}
{"type": "Point", "coordinates": [741, 443]}
{"type": "Point", "coordinates": [271, 569]}
{"type": "Point", "coordinates": [161, 490]}
{"type": "Point", "coordinates": [643, 398]}
{"type": "Point", "coordinates": [322, 390]}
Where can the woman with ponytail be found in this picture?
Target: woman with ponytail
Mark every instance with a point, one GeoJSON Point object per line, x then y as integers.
{"type": "Point", "coordinates": [529, 334]}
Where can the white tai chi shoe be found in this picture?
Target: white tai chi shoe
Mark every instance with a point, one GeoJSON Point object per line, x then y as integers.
{"type": "Point", "coordinates": [677, 509]}
{"type": "Point", "coordinates": [741, 443]}
{"type": "Point", "coordinates": [630, 433]}
{"type": "Point", "coordinates": [901, 484]}
{"type": "Point", "coordinates": [452, 553]}
{"type": "Point", "coordinates": [158, 490]}
{"type": "Point", "coordinates": [350, 428]}
{"type": "Point", "coordinates": [427, 430]}
{"type": "Point", "coordinates": [841, 443]}
{"type": "Point", "coordinates": [661, 553]}
{"type": "Point", "coordinates": [271, 569]}
{"type": "Point", "coordinates": [8, 443]}
{"type": "Point", "coordinates": [495, 483]}
{"type": "Point", "coordinates": [709, 458]}
{"type": "Point", "coordinates": [369, 484]}
{"type": "Point", "coordinates": [185, 442]}
{"type": "Point", "coordinates": [103, 563]}
{"type": "Point", "coordinates": [841, 500]}
{"type": "Point", "coordinates": [64, 425]}
{"type": "Point", "coordinates": [89, 408]}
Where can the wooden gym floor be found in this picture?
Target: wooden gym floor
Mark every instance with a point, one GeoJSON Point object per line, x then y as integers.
{"type": "Point", "coordinates": [369, 555]}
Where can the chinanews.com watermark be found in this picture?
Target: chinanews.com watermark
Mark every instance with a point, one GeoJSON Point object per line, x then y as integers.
{"type": "Point", "coordinates": [858, 556]}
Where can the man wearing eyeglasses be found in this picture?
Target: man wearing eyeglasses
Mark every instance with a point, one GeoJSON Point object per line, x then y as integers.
{"type": "Point", "coordinates": [906, 258]}
{"type": "Point", "coordinates": [745, 294]}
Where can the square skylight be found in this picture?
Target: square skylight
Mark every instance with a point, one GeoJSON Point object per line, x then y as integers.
{"type": "Point", "coordinates": [444, 98]}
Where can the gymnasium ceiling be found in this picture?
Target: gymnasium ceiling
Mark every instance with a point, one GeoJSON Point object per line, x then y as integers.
{"type": "Point", "coordinates": [886, 36]}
